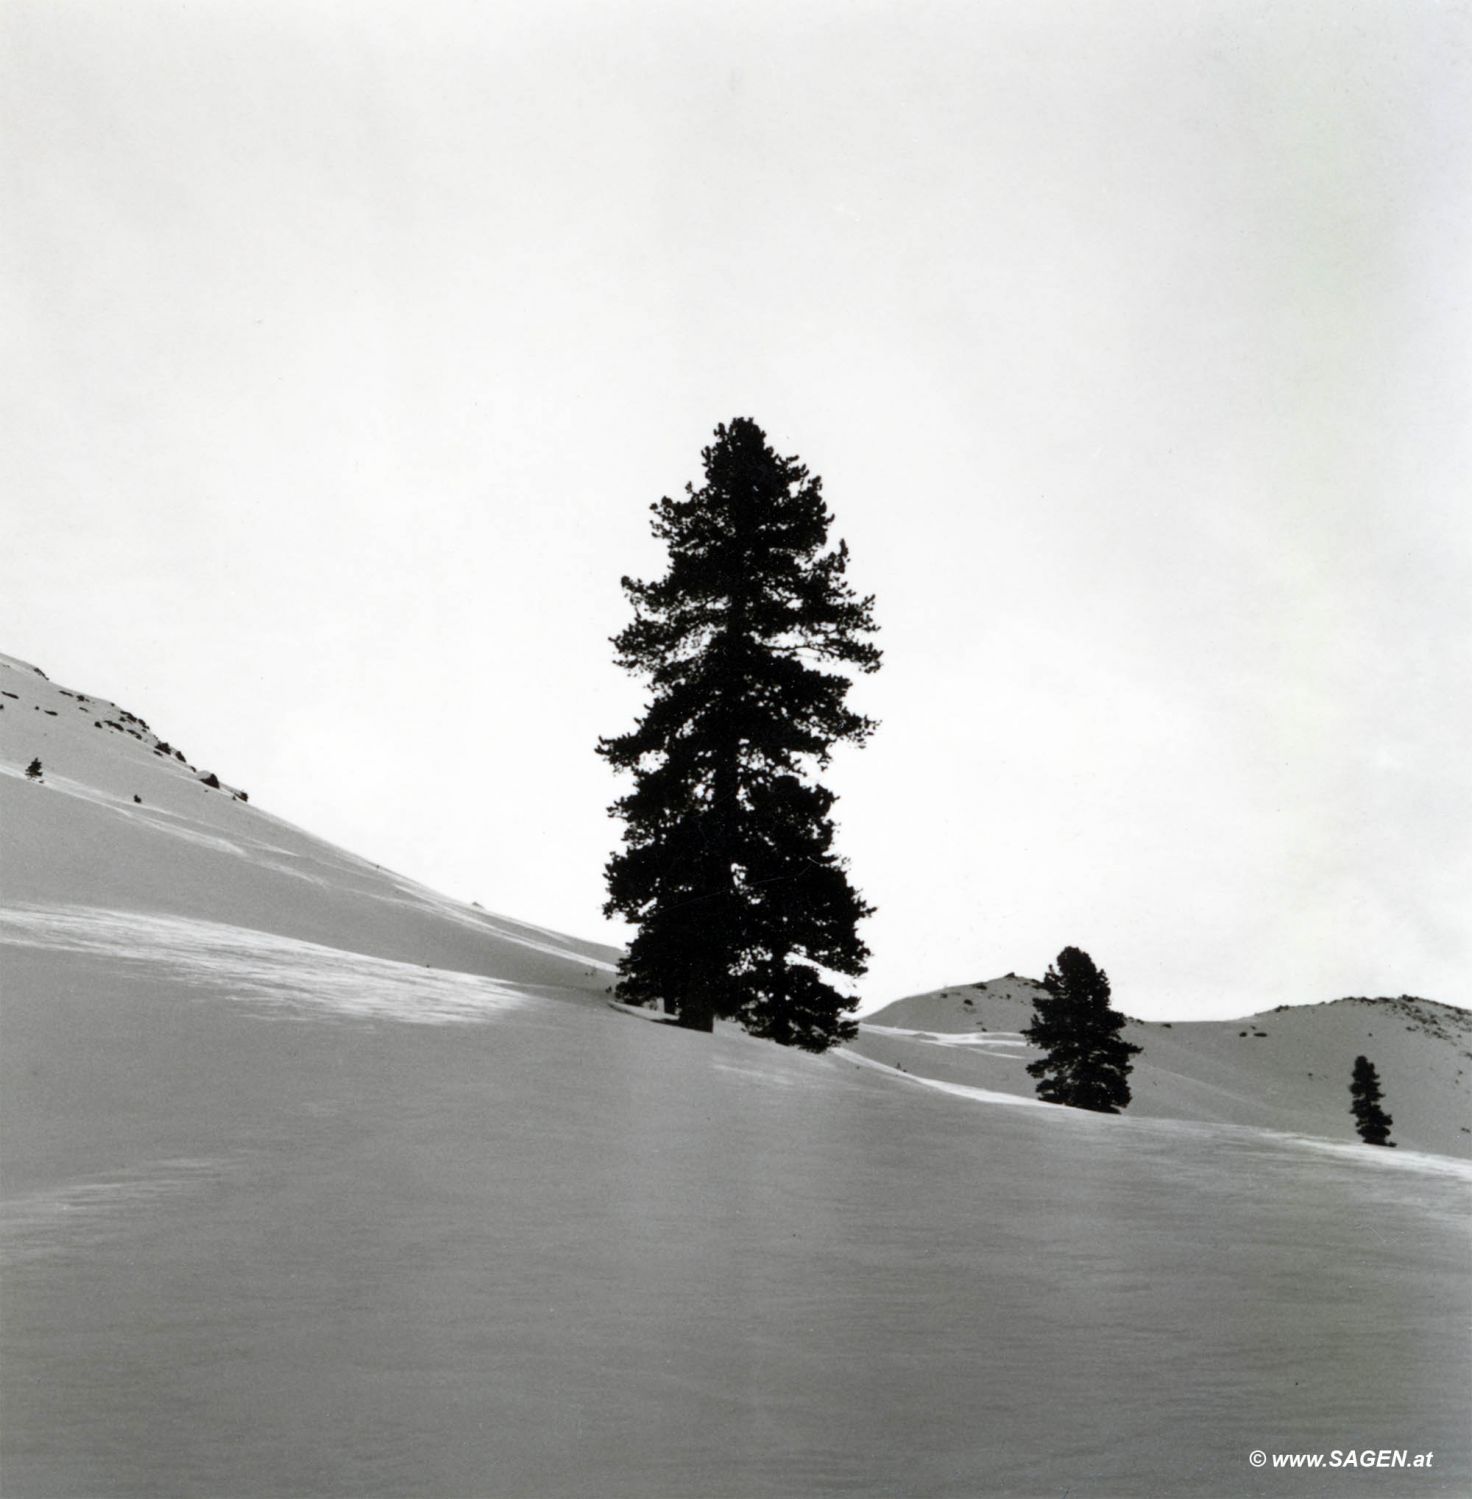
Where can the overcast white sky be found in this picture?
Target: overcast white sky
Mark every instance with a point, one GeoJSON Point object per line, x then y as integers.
{"type": "Point", "coordinates": [347, 344]}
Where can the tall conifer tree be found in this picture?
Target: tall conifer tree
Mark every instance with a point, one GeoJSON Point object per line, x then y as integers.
{"type": "Point", "coordinates": [728, 868]}
{"type": "Point", "coordinates": [1086, 1062]}
{"type": "Point", "coordinates": [1370, 1120]}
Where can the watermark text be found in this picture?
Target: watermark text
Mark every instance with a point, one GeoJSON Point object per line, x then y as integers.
{"type": "Point", "coordinates": [1343, 1457]}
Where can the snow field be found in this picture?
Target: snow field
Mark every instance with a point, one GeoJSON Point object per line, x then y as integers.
{"type": "Point", "coordinates": [317, 1183]}
{"type": "Point", "coordinates": [555, 1253]}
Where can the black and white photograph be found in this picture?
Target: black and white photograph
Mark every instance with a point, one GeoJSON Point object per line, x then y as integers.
{"type": "Point", "coordinates": [734, 749]}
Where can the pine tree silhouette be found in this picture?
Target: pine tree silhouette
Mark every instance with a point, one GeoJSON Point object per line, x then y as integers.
{"type": "Point", "coordinates": [728, 868]}
{"type": "Point", "coordinates": [1372, 1122]}
{"type": "Point", "coordinates": [1087, 1061]}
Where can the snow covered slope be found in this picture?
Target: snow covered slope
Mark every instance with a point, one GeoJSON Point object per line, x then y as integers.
{"type": "Point", "coordinates": [287, 1212]}
{"type": "Point", "coordinates": [1286, 1070]}
{"type": "Point", "coordinates": [121, 822]}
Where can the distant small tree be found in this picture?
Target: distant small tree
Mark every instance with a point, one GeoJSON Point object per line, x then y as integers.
{"type": "Point", "coordinates": [1372, 1122]}
{"type": "Point", "coordinates": [1086, 1061]}
{"type": "Point", "coordinates": [33, 770]}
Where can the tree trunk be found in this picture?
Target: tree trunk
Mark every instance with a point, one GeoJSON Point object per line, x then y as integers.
{"type": "Point", "coordinates": [697, 1013]}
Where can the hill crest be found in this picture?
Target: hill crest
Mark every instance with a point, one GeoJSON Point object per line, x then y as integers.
{"type": "Point", "coordinates": [1214, 1070]}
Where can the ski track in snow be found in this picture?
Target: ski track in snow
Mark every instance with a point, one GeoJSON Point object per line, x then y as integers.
{"type": "Point", "coordinates": [956, 1090]}
{"type": "Point", "coordinates": [1003, 1042]}
{"type": "Point", "coordinates": [261, 966]}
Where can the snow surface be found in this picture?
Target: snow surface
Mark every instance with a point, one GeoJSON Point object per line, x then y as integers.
{"type": "Point", "coordinates": [286, 1212]}
{"type": "Point", "coordinates": [77, 839]}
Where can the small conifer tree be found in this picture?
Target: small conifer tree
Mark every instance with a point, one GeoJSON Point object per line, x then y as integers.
{"type": "Point", "coordinates": [1086, 1062]}
{"type": "Point", "coordinates": [33, 770]}
{"type": "Point", "coordinates": [728, 869]}
{"type": "Point", "coordinates": [1372, 1122]}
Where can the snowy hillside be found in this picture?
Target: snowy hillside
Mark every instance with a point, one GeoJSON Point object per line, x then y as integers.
{"type": "Point", "coordinates": [317, 1183]}
{"type": "Point", "coordinates": [122, 822]}
{"type": "Point", "coordinates": [1285, 1070]}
